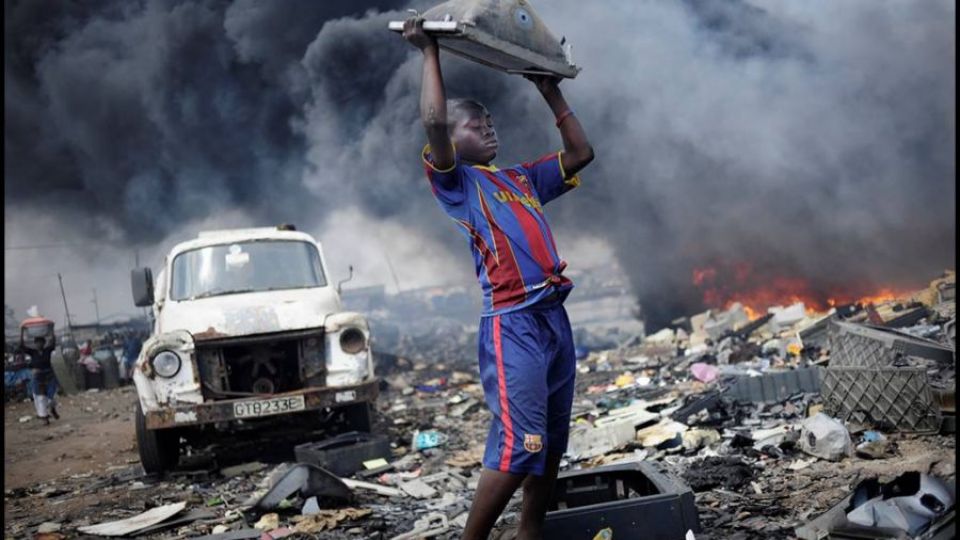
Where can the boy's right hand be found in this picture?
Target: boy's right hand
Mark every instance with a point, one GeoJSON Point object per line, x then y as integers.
{"type": "Point", "coordinates": [413, 32]}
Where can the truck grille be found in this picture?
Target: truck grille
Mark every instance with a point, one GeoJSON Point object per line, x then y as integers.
{"type": "Point", "coordinates": [261, 365]}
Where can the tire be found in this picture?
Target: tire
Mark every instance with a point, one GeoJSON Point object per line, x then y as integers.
{"type": "Point", "coordinates": [159, 449]}
{"type": "Point", "coordinates": [359, 417]}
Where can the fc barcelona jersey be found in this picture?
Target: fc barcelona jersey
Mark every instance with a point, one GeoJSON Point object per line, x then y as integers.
{"type": "Point", "coordinates": [500, 212]}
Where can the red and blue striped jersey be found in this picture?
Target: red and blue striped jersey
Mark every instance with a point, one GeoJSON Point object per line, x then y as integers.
{"type": "Point", "coordinates": [500, 212]}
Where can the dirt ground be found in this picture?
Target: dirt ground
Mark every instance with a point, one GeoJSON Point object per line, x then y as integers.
{"type": "Point", "coordinates": [94, 433]}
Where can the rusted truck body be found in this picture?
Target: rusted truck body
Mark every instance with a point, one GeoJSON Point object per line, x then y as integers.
{"type": "Point", "coordinates": [248, 333]}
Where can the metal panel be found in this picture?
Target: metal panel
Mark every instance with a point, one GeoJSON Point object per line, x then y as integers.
{"type": "Point", "coordinates": [897, 399]}
{"type": "Point", "coordinates": [503, 34]}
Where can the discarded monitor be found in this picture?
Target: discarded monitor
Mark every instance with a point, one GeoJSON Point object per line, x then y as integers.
{"type": "Point", "coordinates": [503, 34]}
{"type": "Point", "coordinates": [633, 499]}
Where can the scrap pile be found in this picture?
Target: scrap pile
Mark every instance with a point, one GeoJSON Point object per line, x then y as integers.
{"type": "Point", "coordinates": [745, 423]}
{"type": "Point", "coordinates": [752, 413]}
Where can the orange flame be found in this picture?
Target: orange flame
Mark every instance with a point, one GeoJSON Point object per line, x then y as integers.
{"type": "Point", "coordinates": [726, 284]}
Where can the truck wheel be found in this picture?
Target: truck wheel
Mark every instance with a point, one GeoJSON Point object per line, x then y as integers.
{"type": "Point", "coordinates": [359, 417]}
{"type": "Point", "coordinates": [159, 448]}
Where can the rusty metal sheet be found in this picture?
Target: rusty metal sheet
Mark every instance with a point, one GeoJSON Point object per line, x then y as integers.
{"type": "Point", "coordinates": [222, 411]}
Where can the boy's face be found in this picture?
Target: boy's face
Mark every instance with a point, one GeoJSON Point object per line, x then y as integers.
{"type": "Point", "coordinates": [474, 136]}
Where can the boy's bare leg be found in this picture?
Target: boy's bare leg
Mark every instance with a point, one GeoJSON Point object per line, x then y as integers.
{"type": "Point", "coordinates": [493, 493]}
{"type": "Point", "coordinates": [536, 498]}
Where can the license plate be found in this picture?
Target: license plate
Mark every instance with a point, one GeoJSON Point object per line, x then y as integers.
{"type": "Point", "coordinates": [267, 407]}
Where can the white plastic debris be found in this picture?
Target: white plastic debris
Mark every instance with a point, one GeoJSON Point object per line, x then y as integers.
{"type": "Point", "coordinates": [785, 317]}
{"type": "Point", "coordinates": [48, 527]}
{"type": "Point", "coordinates": [133, 524]}
{"type": "Point", "coordinates": [825, 437]}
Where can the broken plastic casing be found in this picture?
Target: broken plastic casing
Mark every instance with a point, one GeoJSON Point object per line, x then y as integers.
{"type": "Point", "coordinates": [502, 34]}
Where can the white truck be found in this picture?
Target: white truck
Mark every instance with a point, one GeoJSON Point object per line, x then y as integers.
{"type": "Point", "coordinates": [248, 334]}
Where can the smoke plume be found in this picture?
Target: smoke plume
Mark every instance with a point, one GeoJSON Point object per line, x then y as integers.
{"type": "Point", "coordinates": [802, 141]}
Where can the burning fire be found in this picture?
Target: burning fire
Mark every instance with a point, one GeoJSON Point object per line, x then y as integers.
{"type": "Point", "coordinates": [723, 285]}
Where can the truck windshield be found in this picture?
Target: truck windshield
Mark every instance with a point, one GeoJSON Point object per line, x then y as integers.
{"type": "Point", "coordinates": [245, 267]}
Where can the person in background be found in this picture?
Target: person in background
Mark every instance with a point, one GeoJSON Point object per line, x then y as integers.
{"type": "Point", "coordinates": [92, 367]}
{"type": "Point", "coordinates": [131, 350]}
{"type": "Point", "coordinates": [43, 382]}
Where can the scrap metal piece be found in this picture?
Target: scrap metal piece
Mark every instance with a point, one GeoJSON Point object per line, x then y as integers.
{"type": "Point", "coordinates": [309, 480]}
{"type": "Point", "coordinates": [135, 523]}
{"type": "Point", "coordinates": [426, 527]}
{"type": "Point", "coordinates": [503, 34]}
{"type": "Point", "coordinates": [898, 399]}
{"type": "Point", "coordinates": [419, 489]}
{"type": "Point", "coordinates": [376, 488]}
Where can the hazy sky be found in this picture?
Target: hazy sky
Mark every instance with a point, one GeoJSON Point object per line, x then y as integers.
{"type": "Point", "coordinates": [806, 140]}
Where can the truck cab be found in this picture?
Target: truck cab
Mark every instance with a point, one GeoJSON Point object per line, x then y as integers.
{"type": "Point", "coordinates": [248, 333]}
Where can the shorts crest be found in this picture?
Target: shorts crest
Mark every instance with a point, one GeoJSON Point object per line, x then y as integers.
{"type": "Point", "coordinates": [532, 443]}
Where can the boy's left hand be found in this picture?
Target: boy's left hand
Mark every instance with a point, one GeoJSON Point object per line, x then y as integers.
{"type": "Point", "coordinates": [544, 83]}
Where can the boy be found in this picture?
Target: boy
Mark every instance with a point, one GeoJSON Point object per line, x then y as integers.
{"type": "Point", "coordinates": [527, 362]}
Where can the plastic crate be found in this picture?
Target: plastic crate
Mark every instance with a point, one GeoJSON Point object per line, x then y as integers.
{"type": "Point", "coordinates": [344, 454]}
{"type": "Point", "coordinates": [774, 386]}
{"type": "Point", "coordinates": [854, 345]}
{"type": "Point", "coordinates": [633, 499]}
{"type": "Point", "coordinates": [894, 399]}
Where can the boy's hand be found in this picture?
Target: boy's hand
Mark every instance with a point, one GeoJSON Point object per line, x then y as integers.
{"type": "Point", "coordinates": [413, 32]}
{"type": "Point", "coordinates": [546, 84]}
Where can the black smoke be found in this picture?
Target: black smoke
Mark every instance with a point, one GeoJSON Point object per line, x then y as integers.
{"type": "Point", "coordinates": [809, 141]}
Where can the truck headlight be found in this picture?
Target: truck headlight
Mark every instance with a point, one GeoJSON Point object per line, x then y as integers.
{"type": "Point", "coordinates": [352, 340]}
{"type": "Point", "coordinates": [166, 364]}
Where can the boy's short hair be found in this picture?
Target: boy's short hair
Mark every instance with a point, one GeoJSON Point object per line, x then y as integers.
{"type": "Point", "coordinates": [459, 107]}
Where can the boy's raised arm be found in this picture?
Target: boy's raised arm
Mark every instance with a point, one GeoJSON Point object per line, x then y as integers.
{"type": "Point", "coordinates": [433, 99]}
{"type": "Point", "coordinates": [577, 151]}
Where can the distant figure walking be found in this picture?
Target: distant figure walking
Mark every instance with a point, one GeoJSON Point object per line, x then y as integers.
{"type": "Point", "coordinates": [43, 382]}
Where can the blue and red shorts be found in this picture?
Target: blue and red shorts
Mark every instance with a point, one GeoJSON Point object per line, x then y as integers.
{"type": "Point", "coordinates": [527, 367]}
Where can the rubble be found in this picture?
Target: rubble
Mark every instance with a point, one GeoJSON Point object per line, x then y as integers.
{"type": "Point", "coordinates": [738, 438]}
